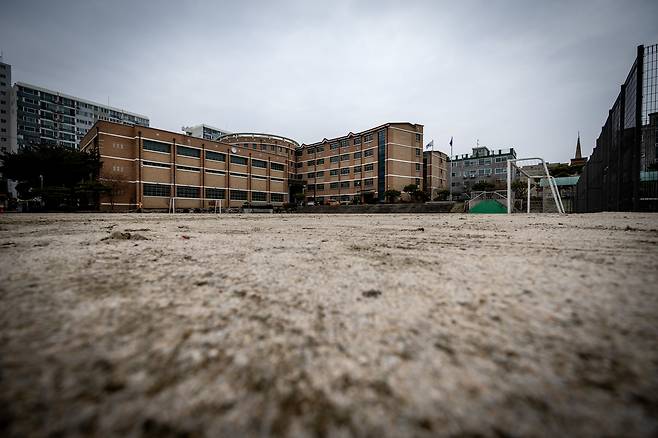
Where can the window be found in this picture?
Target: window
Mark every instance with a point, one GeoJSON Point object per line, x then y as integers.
{"type": "Point", "coordinates": [499, 170]}
{"type": "Point", "coordinates": [310, 175]}
{"type": "Point", "coordinates": [277, 166]}
{"type": "Point", "coordinates": [259, 163]}
{"type": "Point", "coordinates": [357, 140]}
{"type": "Point", "coordinates": [276, 197]}
{"type": "Point", "coordinates": [368, 167]}
{"type": "Point", "coordinates": [333, 172]}
{"type": "Point", "coordinates": [334, 159]}
{"type": "Point", "coordinates": [157, 164]}
{"type": "Point", "coordinates": [187, 168]}
{"type": "Point", "coordinates": [156, 146]}
{"type": "Point", "coordinates": [357, 183]}
{"type": "Point", "coordinates": [259, 196]}
{"type": "Point", "coordinates": [238, 195]}
{"type": "Point", "coordinates": [310, 163]}
{"type": "Point", "coordinates": [319, 161]}
{"type": "Point", "coordinates": [333, 146]}
{"type": "Point", "coordinates": [345, 185]}
{"type": "Point", "coordinates": [344, 157]}
{"type": "Point", "coordinates": [417, 181]}
{"type": "Point", "coordinates": [254, 146]}
{"type": "Point", "coordinates": [357, 169]}
{"type": "Point", "coordinates": [319, 187]}
{"type": "Point", "coordinates": [417, 167]}
{"type": "Point", "coordinates": [369, 182]}
{"type": "Point", "coordinates": [215, 172]}
{"type": "Point", "coordinates": [417, 137]}
{"type": "Point", "coordinates": [188, 152]}
{"type": "Point", "coordinates": [215, 156]}
{"type": "Point", "coordinates": [310, 187]}
{"type": "Point", "coordinates": [319, 174]}
{"type": "Point", "coordinates": [157, 190]}
{"type": "Point", "coordinates": [215, 193]}
{"type": "Point", "coordinates": [367, 138]}
{"type": "Point", "coordinates": [345, 171]}
{"type": "Point", "coordinates": [357, 155]}
{"type": "Point", "coordinates": [369, 153]}
{"type": "Point", "coordinates": [343, 143]}
{"type": "Point", "coordinates": [263, 147]}
{"type": "Point", "coordinates": [187, 192]}
{"type": "Point", "coordinates": [298, 165]}
{"type": "Point", "coordinates": [333, 185]}
{"type": "Point", "coordinates": [236, 159]}
{"type": "Point", "coordinates": [319, 148]}
{"type": "Point", "coordinates": [417, 151]}
{"type": "Point", "coordinates": [481, 171]}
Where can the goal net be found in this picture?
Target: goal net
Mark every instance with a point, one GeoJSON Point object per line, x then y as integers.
{"type": "Point", "coordinates": [531, 188]}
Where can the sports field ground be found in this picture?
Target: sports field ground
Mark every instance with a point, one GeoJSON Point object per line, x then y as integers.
{"type": "Point", "coordinates": [336, 325]}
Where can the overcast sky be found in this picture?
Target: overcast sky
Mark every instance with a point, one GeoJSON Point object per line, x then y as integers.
{"type": "Point", "coordinates": [523, 74]}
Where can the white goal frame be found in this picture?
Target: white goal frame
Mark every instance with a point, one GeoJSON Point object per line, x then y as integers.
{"type": "Point", "coordinates": [172, 204]}
{"type": "Point", "coordinates": [551, 182]}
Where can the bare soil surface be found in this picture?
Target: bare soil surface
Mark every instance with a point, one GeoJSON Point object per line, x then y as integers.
{"type": "Point", "coordinates": [341, 325]}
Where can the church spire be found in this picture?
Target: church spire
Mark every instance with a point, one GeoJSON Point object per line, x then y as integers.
{"type": "Point", "coordinates": [579, 154]}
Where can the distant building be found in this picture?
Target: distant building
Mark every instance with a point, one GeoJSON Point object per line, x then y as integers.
{"type": "Point", "coordinates": [49, 117]}
{"type": "Point", "coordinates": [650, 144]}
{"type": "Point", "coordinates": [483, 165]}
{"type": "Point", "coordinates": [435, 172]}
{"type": "Point", "coordinates": [578, 159]}
{"type": "Point", "coordinates": [361, 166]}
{"type": "Point", "coordinates": [204, 131]}
{"type": "Point", "coordinates": [6, 129]}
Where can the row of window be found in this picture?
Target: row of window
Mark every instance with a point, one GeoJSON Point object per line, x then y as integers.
{"type": "Point", "coordinates": [479, 162]}
{"type": "Point", "coordinates": [210, 193]}
{"type": "Point", "coordinates": [343, 185]}
{"type": "Point", "coordinates": [210, 155]}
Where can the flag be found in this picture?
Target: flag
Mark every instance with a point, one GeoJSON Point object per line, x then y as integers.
{"type": "Point", "coordinates": [430, 145]}
{"type": "Point", "coordinates": [451, 141]}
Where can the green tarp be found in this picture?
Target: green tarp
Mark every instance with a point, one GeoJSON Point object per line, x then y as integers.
{"type": "Point", "coordinates": [488, 206]}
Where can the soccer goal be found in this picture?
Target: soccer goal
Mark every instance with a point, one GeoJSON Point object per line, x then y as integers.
{"type": "Point", "coordinates": [531, 188]}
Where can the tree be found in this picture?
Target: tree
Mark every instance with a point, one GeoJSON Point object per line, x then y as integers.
{"type": "Point", "coordinates": [482, 186]}
{"type": "Point", "coordinates": [410, 188]}
{"type": "Point", "coordinates": [442, 195]}
{"type": "Point", "coordinates": [391, 195]}
{"type": "Point", "coordinates": [63, 178]}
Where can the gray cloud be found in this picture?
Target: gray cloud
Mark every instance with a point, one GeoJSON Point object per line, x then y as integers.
{"type": "Point", "coordinates": [509, 73]}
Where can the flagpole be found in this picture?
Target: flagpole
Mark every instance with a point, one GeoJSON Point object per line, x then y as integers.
{"type": "Point", "coordinates": [450, 170]}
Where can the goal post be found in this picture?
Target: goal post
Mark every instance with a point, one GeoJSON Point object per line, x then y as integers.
{"type": "Point", "coordinates": [537, 180]}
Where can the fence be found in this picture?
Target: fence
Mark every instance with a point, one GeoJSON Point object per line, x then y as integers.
{"type": "Point", "coordinates": [616, 176]}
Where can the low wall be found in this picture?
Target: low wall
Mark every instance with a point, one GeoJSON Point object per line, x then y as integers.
{"type": "Point", "coordinates": [429, 207]}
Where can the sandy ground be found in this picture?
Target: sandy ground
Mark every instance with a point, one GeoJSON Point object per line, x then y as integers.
{"type": "Point", "coordinates": [308, 325]}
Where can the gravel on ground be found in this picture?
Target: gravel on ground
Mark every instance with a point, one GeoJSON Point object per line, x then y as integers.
{"type": "Point", "coordinates": [336, 325]}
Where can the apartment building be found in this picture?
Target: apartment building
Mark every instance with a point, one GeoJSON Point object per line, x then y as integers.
{"type": "Point", "coordinates": [435, 172]}
{"type": "Point", "coordinates": [361, 166]}
{"type": "Point", "coordinates": [204, 131]}
{"type": "Point", "coordinates": [6, 128]}
{"type": "Point", "coordinates": [483, 165]}
{"type": "Point", "coordinates": [151, 168]}
{"type": "Point", "coordinates": [45, 116]}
